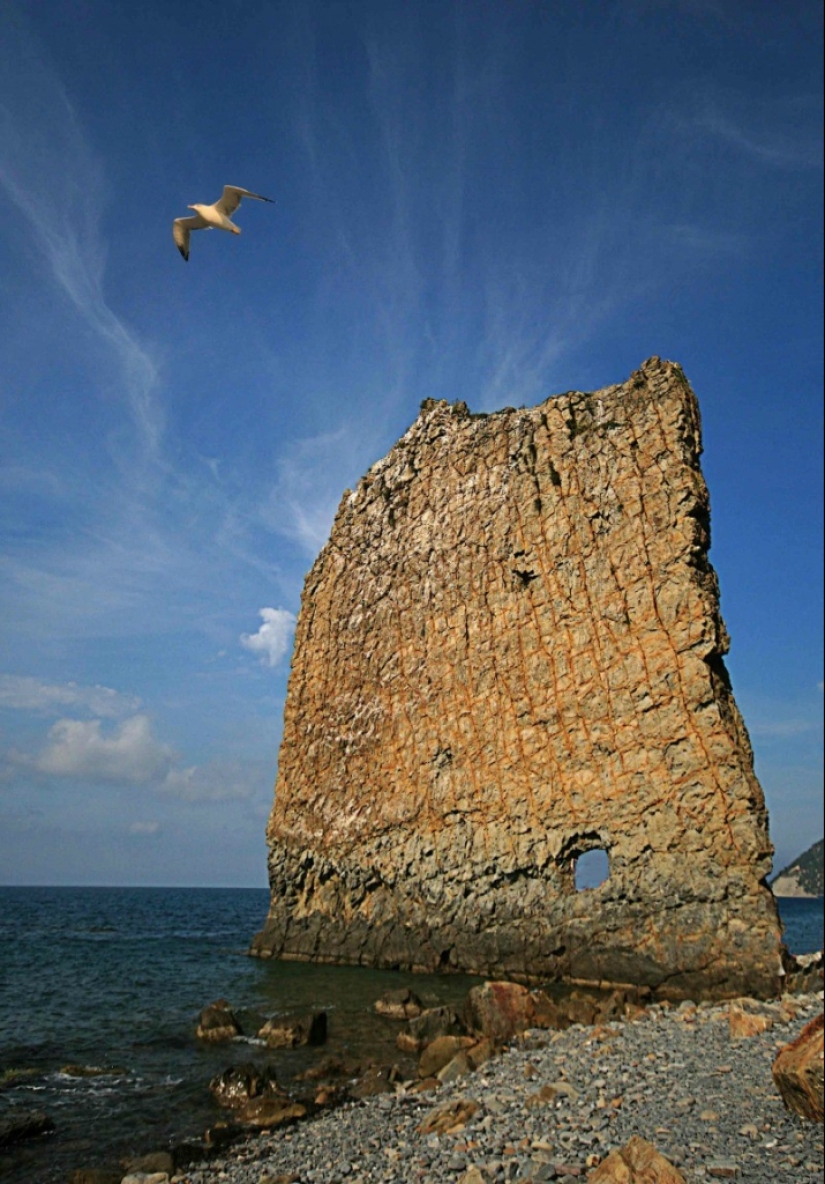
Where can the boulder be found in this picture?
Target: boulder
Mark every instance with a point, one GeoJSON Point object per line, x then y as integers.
{"type": "Point", "coordinates": [638, 1162]}
{"type": "Point", "coordinates": [217, 1022]}
{"type": "Point", "coordinates": [399, 1005]}
{"type": "Point", "coordinates": [266, 1113]}
{"type": "Point", "coordinates": [428, 1026]}
{"type": "Point", "coordinates": [17, 1125]}
{"type": "Point", "coordinates": [377, 1079]}
{"type": "Point", "coordinates": [448, 1118]}
{"type": "Point", "coordinates": [240, 1084]}
{"type": "Point", "coordinates": [294, 1031]}
{"type": "Point", "coordinates": [798, 1072]}
{"type": "Point", "coordinates": [499, 1010]}
{"type": "Point", "coordinates": [743, 1023]}
{"type": "Point", "coordinates": [458, 1066]}
{"type": "Point", "coordinates": [439, 1052]}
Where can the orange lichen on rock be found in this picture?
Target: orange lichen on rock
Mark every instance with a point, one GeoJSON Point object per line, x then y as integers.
{"type": "Point", "coordinates": [510, 653]}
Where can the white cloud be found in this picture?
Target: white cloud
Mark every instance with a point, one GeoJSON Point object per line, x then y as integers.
{"type": "Point", "coordinates": [272, 641]}
{"type": "Point", "coordinates": [30, 694]}
{"type": "Point", "coordinates": [80, 749]}
{"type": "Point", "coordinates": [217, 781]}
{"type": "Point", "coordinates": [144, 828]}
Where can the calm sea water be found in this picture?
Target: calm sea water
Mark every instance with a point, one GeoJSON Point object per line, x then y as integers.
{"type": "Point", "coordinates": [115, 978]}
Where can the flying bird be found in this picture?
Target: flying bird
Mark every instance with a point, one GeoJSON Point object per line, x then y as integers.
{"type": "Point", "coordinates": [207, 217]}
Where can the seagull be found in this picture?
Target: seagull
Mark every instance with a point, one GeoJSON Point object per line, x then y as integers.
{"type": "Point", "coordinates": [207, 217]}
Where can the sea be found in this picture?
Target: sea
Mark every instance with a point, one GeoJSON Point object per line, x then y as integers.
{"type": "Point", "coordinates": [100, 992]}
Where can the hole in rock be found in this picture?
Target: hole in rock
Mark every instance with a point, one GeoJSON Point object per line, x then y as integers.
{"type": "Point", "coordinates": [591, 869]}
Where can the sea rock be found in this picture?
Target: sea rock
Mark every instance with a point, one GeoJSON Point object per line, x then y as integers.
{"type": "Point", "coordinates": [798, 1072]}
{"type": "Point", "coordinates": [17, 1125]}
{"type": "Point", "coordinates": [239, 1084]}
{"type": "Point", "coordinates": [638, 1162]}
{"type": "Point", "coordinates": [217, 1022]}
{"type": "Point", "coordinates": [294, 1031]}
{"type": "Point", "coordinates": [508, 654]}
{"type": "Point", "coordinates": [402, 1004]}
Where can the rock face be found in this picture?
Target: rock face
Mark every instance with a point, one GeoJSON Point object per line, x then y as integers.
{"type": "Point", "coordinates": [798, 1072]}
{"type": "Point", "coordinates": [509, 654]}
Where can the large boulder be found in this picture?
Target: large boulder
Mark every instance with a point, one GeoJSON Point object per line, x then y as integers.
{"type": "Point", "coordinates": [437, 1054]}
{"type": "Point", "coordinates": [294, 1031]}
{"type": "Point", "coordinates": [798, 1072]}
{"type": "Point", "coordinates": [217, 1022]}
{"type": "Point", "coordinates": [499, 1011]}
{"type": "Point", "coordinates": [636, 1163]}
{"type": "Point", "coordinates": [432, 1023]}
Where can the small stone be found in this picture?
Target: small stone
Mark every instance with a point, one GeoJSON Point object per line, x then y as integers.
{"type": "Point", "coordinates": [709, 1116]}
{"type": "Point", "coordinates": [723, 1169]}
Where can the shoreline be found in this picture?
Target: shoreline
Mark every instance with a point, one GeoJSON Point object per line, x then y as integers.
{"type": "Point", "coordinates": [554, 1103]}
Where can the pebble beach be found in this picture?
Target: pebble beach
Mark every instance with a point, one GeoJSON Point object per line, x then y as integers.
{"type": "Point", "coordinates": [555, 1103]}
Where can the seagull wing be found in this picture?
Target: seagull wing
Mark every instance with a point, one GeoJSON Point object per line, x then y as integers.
{"type": "Point", "coordinates": [231, 199]}
{"type": "Point", "coordinates": [180, 232]}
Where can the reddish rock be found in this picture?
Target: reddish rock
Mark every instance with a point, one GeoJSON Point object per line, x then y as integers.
{"type": "Point", "coordinates": [636, 1163]}
{"type": "Point", "coordinates": [798, 1072]}
{"type": "Point", "coordinates": [499, 1011]}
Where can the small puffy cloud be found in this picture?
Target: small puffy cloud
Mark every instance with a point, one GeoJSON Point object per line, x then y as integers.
{"type": "Point", "coordinates": [272, 641]}
{"type": "Point", "coordinates": [129, 753]}
{"type": "Point", "coordinates": [30, 694]}
{"type": "Point", "coordinates": [144, 828]}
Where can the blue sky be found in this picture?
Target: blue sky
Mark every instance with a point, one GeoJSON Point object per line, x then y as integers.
{"type": "Point", "coordinates": [488, 200]}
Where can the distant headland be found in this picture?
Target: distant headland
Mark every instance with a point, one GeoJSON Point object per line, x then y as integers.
{"type": "Point", "coordinates": [804, 877]}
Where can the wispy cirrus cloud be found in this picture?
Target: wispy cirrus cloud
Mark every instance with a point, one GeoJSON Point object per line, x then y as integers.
{"type": "Point", "coordinates": [24, 693]}
{"type": "Point", "coordinates": [56, 184]}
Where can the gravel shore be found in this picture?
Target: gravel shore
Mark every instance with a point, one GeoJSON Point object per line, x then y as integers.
{"type": "Point", "coordinates": [556, 1102]}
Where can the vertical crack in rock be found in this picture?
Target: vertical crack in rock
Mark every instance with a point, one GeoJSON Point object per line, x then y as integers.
{"type": "Point", "coordinates": [509, 653]}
